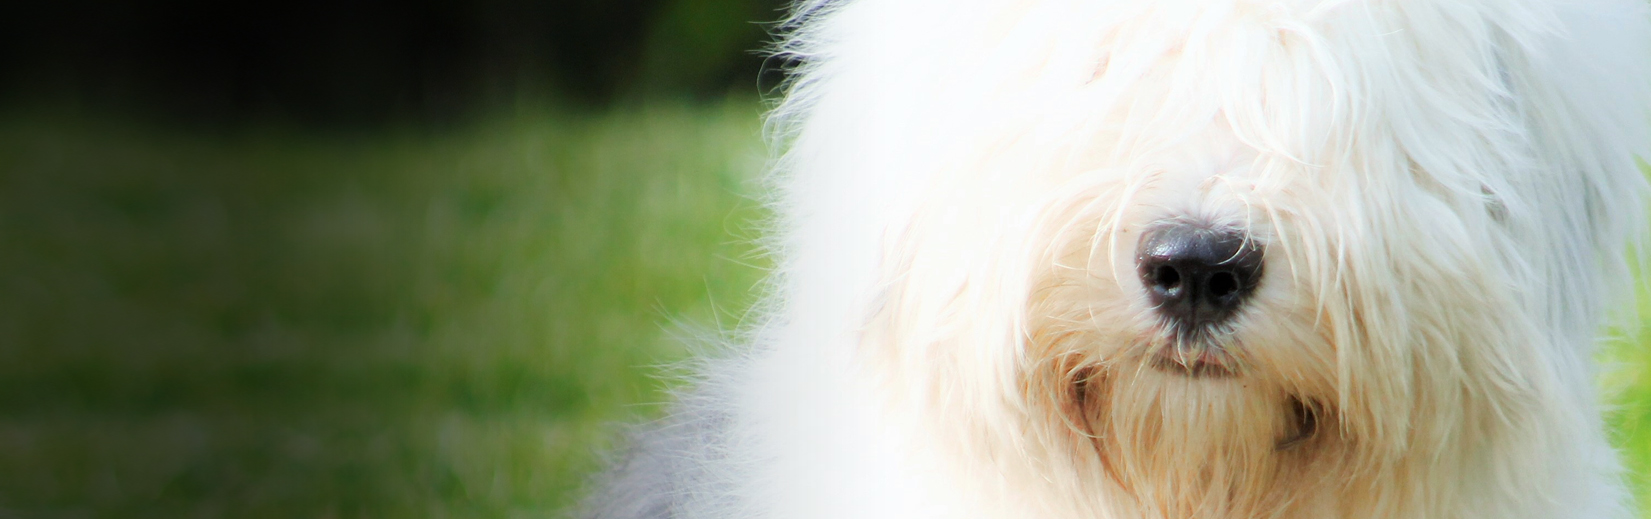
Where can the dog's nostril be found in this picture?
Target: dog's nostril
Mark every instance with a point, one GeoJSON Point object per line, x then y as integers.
{"type": "Point", "coordinates": [1198, 274]}
{"type": "Point", "coordinates": [1223, 284]}
{"type": "Point", "coordinates": [1166, 277]}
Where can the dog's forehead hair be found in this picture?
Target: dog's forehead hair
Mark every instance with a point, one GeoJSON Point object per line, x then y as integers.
{"type": "Point", "coordinates": [1206, 177]}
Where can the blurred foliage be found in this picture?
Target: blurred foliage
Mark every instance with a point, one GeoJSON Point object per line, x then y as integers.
{"type": "Point", "coordinates": [1625, 379]}
{"type": "Point", "coordinates": [277, 324]}
{"type": "Point", "coordinates": [371, 62]}
{"type": "Point", "coordinates": [696, 45]}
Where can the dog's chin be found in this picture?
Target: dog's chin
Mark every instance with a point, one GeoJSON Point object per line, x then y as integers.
{"type": "Point", "coordinates": [1206, 358]}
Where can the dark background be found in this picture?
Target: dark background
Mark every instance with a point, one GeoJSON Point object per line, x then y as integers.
{"type": "Point", "coordinates": [371, 62]}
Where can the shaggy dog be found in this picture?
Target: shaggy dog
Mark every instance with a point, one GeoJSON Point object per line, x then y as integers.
{"type": "Point", "coordinates": [1179, 259]}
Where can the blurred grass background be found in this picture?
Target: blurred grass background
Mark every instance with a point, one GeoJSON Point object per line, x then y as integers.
{"type": "Point", "coordinates": [400, 260]}
{"type": "Point", "coordinates": [388, 325]}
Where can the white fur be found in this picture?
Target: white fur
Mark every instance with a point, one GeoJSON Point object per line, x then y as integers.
{"type": "Point", "coordinates": [1445, 190]}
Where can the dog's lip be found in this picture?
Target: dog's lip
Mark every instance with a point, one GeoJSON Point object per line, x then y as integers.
{"type": "Point", "coordinates": [1200, 362]}
{"type": "Point", "coordinates": [1194, 355]}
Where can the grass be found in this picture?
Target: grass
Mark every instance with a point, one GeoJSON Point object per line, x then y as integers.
{"type": "Point", "coordinates": [1626, 382]}
{"type": "Point", "coordinates": [403, 324]}
{"type": "Point", "coordinates": [276, 324]}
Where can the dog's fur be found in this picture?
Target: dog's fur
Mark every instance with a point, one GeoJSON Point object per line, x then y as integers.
{"type": "Point", "coordinates": [1444, 189]}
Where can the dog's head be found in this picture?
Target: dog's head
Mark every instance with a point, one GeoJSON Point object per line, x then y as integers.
{"type": "Point", "coordinates": [1224, 259]}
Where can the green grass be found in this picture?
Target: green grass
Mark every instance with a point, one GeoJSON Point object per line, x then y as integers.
{"type": "Point", "coordinates": [283, 324]}
{"type": "Point", "coordinates": [1626, 382]}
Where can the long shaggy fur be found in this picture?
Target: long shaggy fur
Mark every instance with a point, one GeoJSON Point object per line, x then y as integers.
{"type": "Point", "coordinates": [1445, 190]}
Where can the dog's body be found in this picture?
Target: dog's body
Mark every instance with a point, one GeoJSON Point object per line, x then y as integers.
{"type": "Point", "coordinates": [1180, 259]}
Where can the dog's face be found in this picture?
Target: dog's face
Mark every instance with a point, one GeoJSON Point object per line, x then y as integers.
{"type": "Point", "coordinates": [1213, 332]}
{"type": "Point", "coordinates": [1186, 262]}
{"type": "Point", "coordinates": [1233, 337]}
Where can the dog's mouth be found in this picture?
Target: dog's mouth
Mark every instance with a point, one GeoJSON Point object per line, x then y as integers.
{"type": "Point", "coordinates": [1203, 362]}
{"type": "Point", "coordinates": [1194, 354]}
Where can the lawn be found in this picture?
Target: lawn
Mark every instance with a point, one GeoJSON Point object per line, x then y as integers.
{"type": "Point", "coordinates": [404, 323]}
{"type": "Point", "coordinates": [401, 324]}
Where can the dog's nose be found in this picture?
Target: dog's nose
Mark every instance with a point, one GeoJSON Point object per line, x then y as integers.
{"type": "Point", "coordinates": [1198, 274]}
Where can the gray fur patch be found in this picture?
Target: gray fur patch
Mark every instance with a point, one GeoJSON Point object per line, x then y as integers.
{"type": "Point", "coordinates": [663, 473]}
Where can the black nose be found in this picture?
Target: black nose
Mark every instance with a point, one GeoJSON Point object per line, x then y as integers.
{"type": "Point", "coordinates": [1198, 274]}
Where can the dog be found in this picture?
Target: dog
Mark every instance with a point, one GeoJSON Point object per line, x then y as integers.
{"type": "Point", "coordinates": [1178, 259]}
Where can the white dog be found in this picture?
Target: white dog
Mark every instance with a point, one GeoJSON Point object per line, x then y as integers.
{"type": "Point", "coordinates": [1180, 259]}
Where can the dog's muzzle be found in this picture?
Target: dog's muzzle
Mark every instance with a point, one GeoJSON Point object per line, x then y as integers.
{"type": "Point", "coordinates": [1196, 275]}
